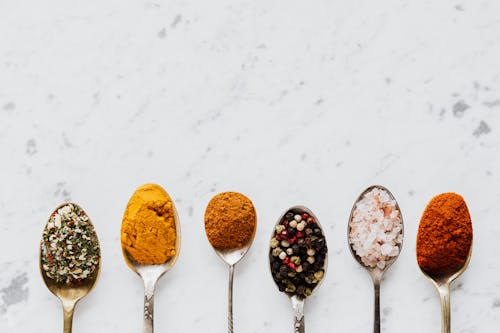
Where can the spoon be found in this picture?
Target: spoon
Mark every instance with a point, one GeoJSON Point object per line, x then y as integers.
{"type": "Point", "coordinates": [151, 273]}
{"type": "Point", "coordinates": [231, 258]}
{"type": "Point", "coordinates": [449, 212]}
{"type": "Point", "coordinates": [70, 294]}
{"type": "Point", "coordinates": [242, 211]}
{"type": "Point", "coordinates": [296, 300]}
{"type": "Point", "coordinates": [375, 272]}
{"type": "Point", "coordinates": [442, 285]}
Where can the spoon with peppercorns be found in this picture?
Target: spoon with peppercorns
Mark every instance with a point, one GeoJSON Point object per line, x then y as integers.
{"type": "Point", "coordinates": [298, 257]}
{"type": "Point", "coordinates": [70, 257]}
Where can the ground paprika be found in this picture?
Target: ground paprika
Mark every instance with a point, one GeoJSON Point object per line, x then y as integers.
{"type": "Point", "coordinates": [444, 237]}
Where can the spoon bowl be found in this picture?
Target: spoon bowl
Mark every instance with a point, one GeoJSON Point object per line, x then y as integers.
{"type": "Point", "coordinates": [70, 294]}
{"type": "Point", "coordinates": [376, 273]}
{"type": "Point", "coordinates": [299, 302]}
{"type": "Point", "coordinates": [151, 273]}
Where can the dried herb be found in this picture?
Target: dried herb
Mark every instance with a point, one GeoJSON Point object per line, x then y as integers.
{"type": "Point", "coordinates": [70, 248]}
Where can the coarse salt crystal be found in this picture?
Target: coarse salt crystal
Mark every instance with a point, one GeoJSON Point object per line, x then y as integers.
{"type": "Point", "coordinates": [376, 228]}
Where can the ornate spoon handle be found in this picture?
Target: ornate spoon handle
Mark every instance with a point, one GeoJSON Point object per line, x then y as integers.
{"type": "Point", "coordinates": [298, 307]}
{"type": "Point", "coordinates": [149, 302]}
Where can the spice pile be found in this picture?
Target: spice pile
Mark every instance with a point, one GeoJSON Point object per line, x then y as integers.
{"type": "Point", "coordinates": [444, 237]}
{"type": "Point", "coordinates": [376, 228]}
{"type": "Point", "coordinates": [70, 248]}
{"type": "Point", "coordinates": [230, 221]}
{"type": "Point", "coordinates": [148, 232]}
{"type": "Point", "coordinates": [297, 254]}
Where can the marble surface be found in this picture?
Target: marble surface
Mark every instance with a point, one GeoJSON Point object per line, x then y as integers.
{"type": "Point", "coordinates": [288, 102]}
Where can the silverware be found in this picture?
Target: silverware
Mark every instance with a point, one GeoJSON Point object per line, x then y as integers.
{"type": "Point", "coordinates": [243, 212]}
{"type": "Point", "coordinates": [375, 273]}
{"type": "Point", "coordinates": [231, 258]}
{"type": "Point", "coordinates": [442, 285]}
{"type": "Point", "coordinates": [151, 273]}
{"type": "Point", "coordinates": [298, 302]}
{"type": "Point", "coordinates": [70, 294]}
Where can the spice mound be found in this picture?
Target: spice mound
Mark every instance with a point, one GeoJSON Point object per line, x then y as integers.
{"type": "Point", "coordinates": [148, 233]}
{"type": "Point", "coordinates": [70, 248]}
{"type": "Point", "coordinates": [297, 253]}
{"type": "Point", "coordinates": [444, 236]}
{"type": "Point", "coordinates": [230, 221]}
{"type": "Point", "coordinates": [376, 228]}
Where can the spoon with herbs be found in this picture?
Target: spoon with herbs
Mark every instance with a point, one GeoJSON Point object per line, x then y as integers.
{"type": "Point", "coordinates": [444, 246]}
{"type": "Point", "coordinates": [150, 238]}
{"type": "Point", "coordinates": [298, 257]}
{"type": "Point", "coordinates": [70, 257]}
{"type": "Point", "coordinates": [375, 233]}
{"type": "Point", "coordinates": [230, 224]}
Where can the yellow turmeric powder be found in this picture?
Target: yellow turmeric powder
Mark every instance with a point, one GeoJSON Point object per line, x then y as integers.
{"type": "Point", "coordinates": [148, 232]}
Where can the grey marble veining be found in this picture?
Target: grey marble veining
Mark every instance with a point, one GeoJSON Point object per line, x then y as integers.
{"type": "Point", "coordinates": [288, 102]}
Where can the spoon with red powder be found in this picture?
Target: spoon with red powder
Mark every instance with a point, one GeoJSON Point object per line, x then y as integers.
{"type": "Point", "coordinates": [444, 245]}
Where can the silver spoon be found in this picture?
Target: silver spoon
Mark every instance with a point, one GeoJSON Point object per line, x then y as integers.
{"type": "Point", "coordinates": [70, 294]}
{"type": "Point", "coordinates": [375, 272]}
{"type": "Point", "coordinates": [298, 302]}
{"type": "Point", "coordinates": [442, 285]}
{"type": "Point", "coordinates": [231, 258]}
{"type": "Point", "coordinates": [151, 273]}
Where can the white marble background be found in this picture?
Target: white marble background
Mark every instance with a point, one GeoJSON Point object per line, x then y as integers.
{"type": "Point", "coordinates": [289, 102]}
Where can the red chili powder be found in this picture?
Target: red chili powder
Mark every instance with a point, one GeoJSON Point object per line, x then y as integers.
{"type": "Point", "coordinates": [444, 237]}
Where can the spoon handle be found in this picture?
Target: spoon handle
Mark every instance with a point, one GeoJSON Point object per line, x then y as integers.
{"type": "Point", "coordinates": [230, 300]}
{"type": "Point", "coordinates": [444, 295]}
{"type": "Point", "coordinates": [149, 290]}
{"type": "Point", "coordinates": [298, 307]}
{"type": "Point", "coordinates": [69, 309]}
{"type": "Point", "coordinates": [376, 318]}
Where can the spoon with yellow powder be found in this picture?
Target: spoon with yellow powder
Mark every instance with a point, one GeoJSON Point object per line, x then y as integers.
{"type": "Point", "coordinates": [230, 223]}
{"type": "Point", "coordinates": [150, 238]}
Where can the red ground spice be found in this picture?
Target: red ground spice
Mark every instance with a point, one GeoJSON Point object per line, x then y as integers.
{"type": "Point", "coordinates": [444, 237]}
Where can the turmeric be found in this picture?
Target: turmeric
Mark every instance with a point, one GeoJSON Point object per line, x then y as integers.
{"type": "Point", "coordinates": [148, 232]}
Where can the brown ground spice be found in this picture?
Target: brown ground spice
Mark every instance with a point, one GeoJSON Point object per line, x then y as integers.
{"type": "Point", "coordinates": [444, 235]}
{"type": "Point", "coordinates": [230, 220]}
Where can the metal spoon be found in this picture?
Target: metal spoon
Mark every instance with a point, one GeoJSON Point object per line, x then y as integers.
{"type": "Point", "coordinates": [298, 302]}
{"type": "Point", "coordinates": [70, 294]}
{"type": "Point", "coordinates": [231, 258]}
{"type": "Point", "coordinates": [375, 272]}
{"type": "Point", "coordinates": [151, 273]}
{"type": "Point", "coordinates": [442, 285]}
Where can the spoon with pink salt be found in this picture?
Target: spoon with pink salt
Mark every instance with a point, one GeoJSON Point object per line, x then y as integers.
{"type": "Point", "coordinates": [375, 233]}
